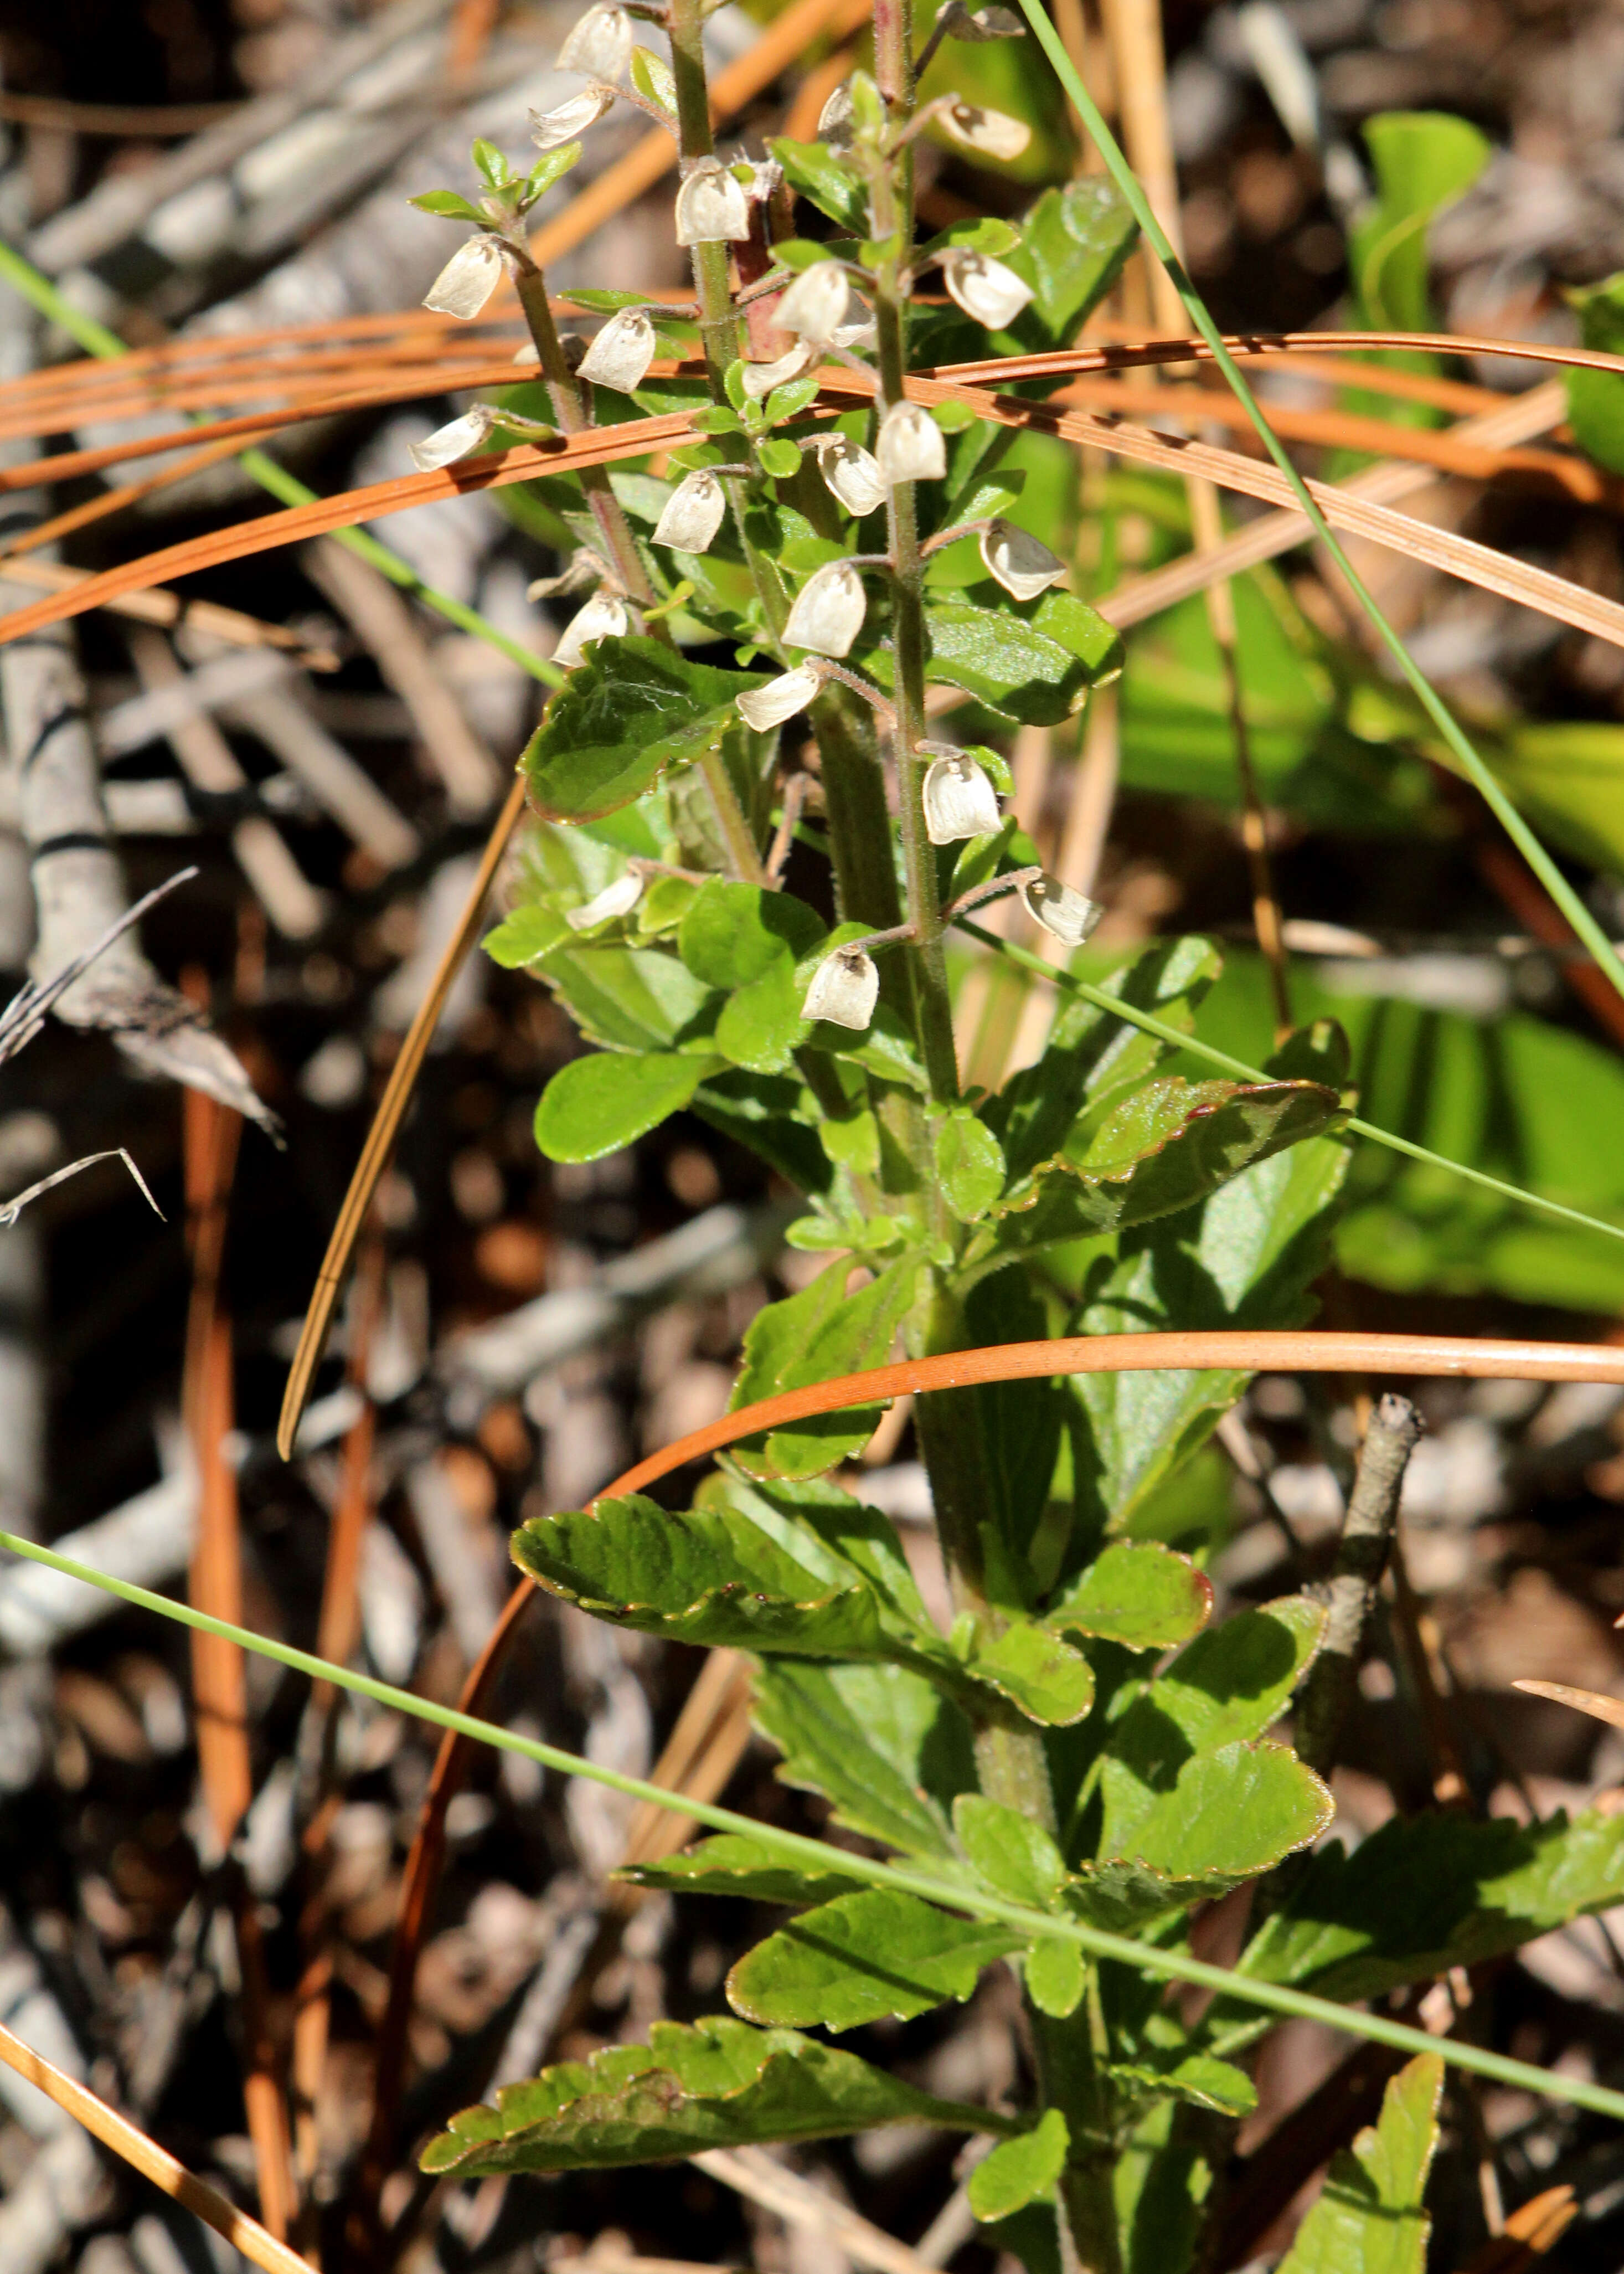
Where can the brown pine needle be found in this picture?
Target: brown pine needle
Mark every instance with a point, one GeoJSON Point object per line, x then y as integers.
{"type": "Point", "coordinates": [1582, 1701]}
{"type": "Point", "coordinates": [153, 2163]}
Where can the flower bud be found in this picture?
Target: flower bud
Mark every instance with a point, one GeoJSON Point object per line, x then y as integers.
{"type": "Point", "coordinates": [834, 120]}
{"type": "Point", "coordinates": [845, 988]}
{"type": "Point", "coordinates": [768, 706]}
{"type": "Point", "coordinates": [600, 46]}
{"type": "Point", "coordinates": [989, 133]}
{"type": "Point", "coordinates": [468, 279]}
{"type": "Point", "coordinates": [617, 898]}
{"type": "Point", "coordinates": [603, 617]}
{"type": "Point", "coordinates": [759, 379]}
{"type": "Point", "coordinates": [959, 800]}
{"type": "Point", "coordinates": [693, 513]}
{"type": "Point", "coordinates": [984, 288]}
{"type": "Point", "coordinates": [1022, 563]}
{"type": "Point", "coordinates": [815, 305]}
{"type": "Point", "coordinates": [1069, 915]}
{"type": "Point", "coordinates": [829, 610]}
{"type": "Point", "coordinates": [621, 355]}
{"type": "Point", "coordinates": [447, 444]}
{"type": "Point", "coordinates": [910, 448]}
{"type": "Point", "coordinates": [551, 128]}
{"type": "Point", "coordinates": [851, 473]}
{"type": "Point", "coordinates": [712, 207]}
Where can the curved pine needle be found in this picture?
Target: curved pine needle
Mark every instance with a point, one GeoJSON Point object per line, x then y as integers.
{"type": "Point", "coordinates": [386, 1127]}
{"type": "Point", "coordinates": [1582, 1701]}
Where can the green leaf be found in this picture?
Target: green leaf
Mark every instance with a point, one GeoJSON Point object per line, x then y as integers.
{"type": "Point", "coordinates": [978, 233]}
{"type": "Point", "coordinates": [863, 1958]}
{"type": "Point", "coordinates": [1054, 1975]}
{"type": "Point", "coordinates": [718, 2085]}
{"type": "Point", "coordinates": [525, 937]}
{"type": "Point", "coordinates": [1137, 1593]}
{"type": "Point", "coordinates": [829, 181]}
{"type": "Point", "coordinates": [1428, 1893]}
{"type": "Point", "coordinates": [602, 1103]}
{"type": "Point", "coordinates": [969, 1164]}
{"type": "Point", "coordinates": [812, 1336]}
{"type": "Point", "coordinates": [788, 401]}
{"type": "Point", "coordinates": [731, 1865]}
{"type": "Point", "coordinates": [1595, 398]}
{"type": "Point", "coordinates": [1368, 2217]}
{"type": "Point", "coordinates": [652, 76]}
{"type": "Point", "coordinates": [1035, 665]}
{"type": "Point", "coordinates": [885, 1748]}
{"type": "Point", "coordinates": [449, 203]}
{"type": "Point", "coordinates": [551, 167]}
{"type": "Point", "coordinates": [1073, 244]}
{"type": "Point", "coordinates": [1200, 2079]}
{"type": "Point", "coordinates": [1424, 161]}
{"type": "Point", "coordinates": [1021, 2171]}
{"type": "Point", "coordinates": [1232, 1814]}
{"type": "Point", "coordinates": [1014, 1855]}
{"type": "Point", "coordinates": [633, 709]}
{"type": "Point", "coordinates": [630, 998]}
{"type": "Point", "coordinates": [735, 933]}
{"type": "Point", "coordinates": [491, 163]}
{"type": "Point", "coordinates": [781, 460]}
{"type": "Point", "coordinates": [1046, 1679]}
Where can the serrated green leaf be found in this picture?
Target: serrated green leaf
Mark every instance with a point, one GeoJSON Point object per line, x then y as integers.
{"type": "Point", "coordinates": [1014, 1855]}
{"type": "Point", "coordinates": [1046, 1678]}
{"type": "Point", "coordinates": [731, 1865]}
{"type": "Point", "coordinates": [1137, 1593]}
{"type": "Point", "coordinates": [599, 1104]}
{"type": "Point", "coordinates": [632, 710]}
{"type": "Point", "coordinates": [1232, 1814]}
{"type": "Point", "coordinates": [718, 2084]}
{"type": "Point", "coordinates": [1368, 2218]}
{"type": "Point", "coordinates": [885, 1747]}
{"type": "Point", "coordinates": [863, 1958]}
{"type": "Point", "coordinates": [812, 1336]}
{"type": "Point", "coordinates": [827, 180]}
{"type": "Point", "coordinates": [1201, 2079]}
{"type": "Point", "coordinates": [1021, 2171]}
{"type": "Point", "coordinates": [969, 1164]}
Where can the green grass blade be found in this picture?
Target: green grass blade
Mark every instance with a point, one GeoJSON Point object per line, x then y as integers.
{"type": "Point", "coordinates": [1472, 764]}
{"type": "Point", "coordinates": [96, 340]}
{"type": "Point", "coordinates": [1172, 1965]}
{"type": "Point", "coordinates": [1072, 985]}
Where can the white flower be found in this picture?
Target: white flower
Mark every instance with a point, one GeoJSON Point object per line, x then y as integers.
{"type": "Point", "coordinates": [959, 800]}
{"type": "Point", "coordinates": [851, 473]}
{"type": "Point", "coordinates": [910, 448]}
{"type": "Point", "coordinates": [553, 127]}
{"type": "Point", "coordinates": [693, 513]}
{"type": "Point", "coordinates": [621, 355]}
{"type": "Point", "coordinates": [712, 207]}
{"type": "Point", "coordinates": [984, 288]}
{"type": "Point", "coordinates": [603, 617]}
{"type": "Point", "coordinates": [600, 46]}
{"type": "Point", "coordinates": [768, 706]}
{"type": "Point", "coordinates": [862, 334]}
{"type": "Point", "coordinates": [834, 120]}
{"type": "Point", "coordinates": [468, 279]}
{"type": "Point", "coordinates": [618, 898]}
{"type": "Point", "coordinates": [1068, 915]}
{"type": "Point", "coordinates": [989, 133]}
{"type": "Point", "coordinates": [845, 988]}
{"type": "Point", "coordinates": [815, 305]}
{"type": "Point", "coordinates": [759, 379]}
{"type": "Point", "coordinates": [447, 444]}
{"type": "Point", "coordinates": [1022, 563]}
{"type": "Point", "coordinates": [829, 610]}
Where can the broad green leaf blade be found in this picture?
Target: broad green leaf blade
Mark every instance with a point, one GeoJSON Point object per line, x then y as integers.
{"type": "Point", "coordinates": [1433, 1891]}
{"type": "Point", "coordinates": [731, 1865]}
{"type": "Point", "coordinates": [1014, 1855]}
{"type": "Point", "coordinates": [812, 1336]}
{"type": "Point", "coordinates": [1021, 2171]}
{"type": "Point", "coordinates": [628, 999]}
{"type": "Point", "coordinates": [969, 1165]}
{"type": "Point", "coordinates": [1424, 161]}
{"type": "Point", "coordinates": [884, 1748]}
{"type": "Point", "coordinates": [599, 1104]}
{"type": "Point", "coordinates": [718, 2085]}
{"type": "Point", "coordinates": [1232, 1814]}
{"type": "Point", "coordinates": [1074, 243]}
{"type": "Point", "coordinates": [1049, 1680]}
{"type": "Point", "coordinates": [1032, 662]}
{"type": "Point", "coordinates": [829, 181]}
{"type": "Point", "coordinates": [1201, 2079]}
{"type": "Point", "coordinates": [1368, 2218]}
{"type": "Point", "coordinates": [863, 1958]}
{"type": "Point", "coordinates": [1054, 1974]}
{"type": "Point", "coordinates": [1137, 1593]}
{"type": "Point", "coordinates": [632, 710]}
{"type": "Point", "coordinates": [734, 933]}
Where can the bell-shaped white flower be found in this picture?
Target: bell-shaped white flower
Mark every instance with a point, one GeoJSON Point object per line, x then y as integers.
{"type": "Point", "coordinates": [693, 513]}
{"type": "Point", "coordinates": [551, 128]}
{"type": "Point", "coordinates": [617, 898]}
{"type": "Point", "coordinates": [984, 288]}
{"type": "Point", "coordinates": [457, 440]}
{"type": "Point", "coordinates": [851, 474]}
{"type": "Point", "coordinates": [468, 279]}
{"type": "Point", "coordinates": [959, 800]}
{"type": "Point", "coordinates": [759, 379]}
{"type": "Point", "coordinates": [768, 706]}
{"type": "Point", "coordinates": [863, 334]}
{"type": "Point", "coordinates": [621, 355]}
{"type": "Point", "coordinates": [828, 611]}
{"type": "Point", "coordinates": [1022, 563]}
{"type": "Point", "coordinates": [600, 46]}
{"type": "Point", "coordinates": [834, 120]}
{"type": "Point", "coordinates": [845, 988]}
{"type": "Point", "coordinates": [712, 207]}
{"type": "Point", "coordinates": [816, 306]}
{"type": "Point", "coordinates": [603, 617]}
{"type": "Point", "coordinates": [989, 133]}
{"type": "Point", "coordinates": [910, 448]}
{"type": "Point", "coordinates": [1069, 915]}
